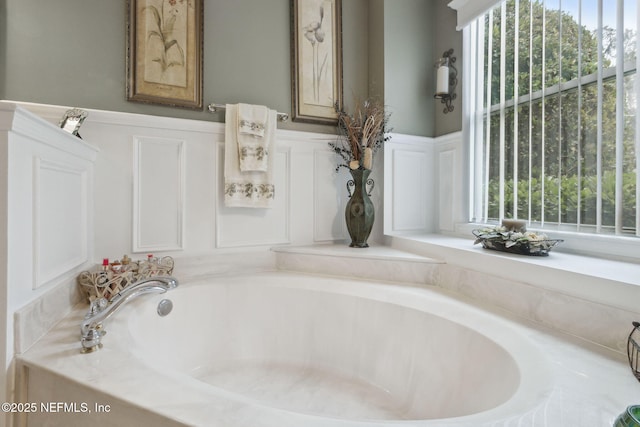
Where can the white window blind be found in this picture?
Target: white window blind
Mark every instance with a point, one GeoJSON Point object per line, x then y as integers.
{"type": "Point", "coordinates": [552, 114]}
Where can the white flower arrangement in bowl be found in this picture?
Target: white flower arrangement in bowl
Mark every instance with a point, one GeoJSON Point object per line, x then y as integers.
{"type": "Point", "coordinates": [523, 242]}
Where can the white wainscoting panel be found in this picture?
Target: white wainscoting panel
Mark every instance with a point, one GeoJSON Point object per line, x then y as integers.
{"type": "Point", "coordinates": [409, 190]}
{"type": "Point", "coordinates": [329, 197]}
{"type": "Point", "coordinates": [237, 227]}
{"type": "Point", "coordinates": [175, 167]}
{"type": "Point", "coordinates": [158, 194]}
{"type": "Point", "coordinates": [409, 185]}
{"type": "Point", "coordinates": [450, 180]}
{"type": "Point", "coordinates": [60, 219]}
{"type": "Point", "coordinates": [46, 207]}
{"type": "Point", "coordinates": [446, 188]}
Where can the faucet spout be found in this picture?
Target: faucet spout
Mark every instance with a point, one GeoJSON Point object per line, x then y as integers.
{"type": "Point", "coordinates": [101, 309]}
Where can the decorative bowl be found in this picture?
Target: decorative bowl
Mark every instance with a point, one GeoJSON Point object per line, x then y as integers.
{"type": "Point", "coordinates": [503, 240]}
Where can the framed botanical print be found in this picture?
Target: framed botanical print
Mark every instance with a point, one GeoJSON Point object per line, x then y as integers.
{"type": "Point", "coordinates": [164, 58]}
{"type": "Point", "coordinates": [316, 58]}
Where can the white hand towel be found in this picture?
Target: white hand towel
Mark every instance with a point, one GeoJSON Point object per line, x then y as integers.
{"type": "Point", "coordinates": [252, 119]}
{"type": "Point", "coordinates": [251, 189]}
{"type": "Point", "coordinates": [252, 144]}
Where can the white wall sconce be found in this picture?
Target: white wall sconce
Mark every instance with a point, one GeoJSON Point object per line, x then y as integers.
{"type": "Point", "coordinates": [446, 80]}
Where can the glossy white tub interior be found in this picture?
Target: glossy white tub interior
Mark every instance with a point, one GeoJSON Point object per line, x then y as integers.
{"type": "Point", "coordinates": [276, 349]}
{"type": "Point", "coordinates": [338, 349]}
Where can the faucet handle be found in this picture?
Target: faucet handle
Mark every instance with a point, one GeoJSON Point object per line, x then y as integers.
{"type": "Point", "coordinates": [97, 305]}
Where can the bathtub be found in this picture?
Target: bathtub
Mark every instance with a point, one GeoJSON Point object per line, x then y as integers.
{"type": "Point", "coordinates": [281, 349]}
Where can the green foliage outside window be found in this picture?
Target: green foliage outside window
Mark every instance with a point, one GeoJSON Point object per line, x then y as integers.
{"type": "Point", "coordinates": [557, 135]}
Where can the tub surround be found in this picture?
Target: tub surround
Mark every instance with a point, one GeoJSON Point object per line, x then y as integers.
{"type": "Point", "coordinates": [590, 298]}
{"type": "Point", "coordinates": [374, 263]}
{"type": "Point", "coordinates": [520, 285]}
{"type": "Point", "coordinates": [34, 320]}
{"type": "Point", "coordinates": [591, 385]}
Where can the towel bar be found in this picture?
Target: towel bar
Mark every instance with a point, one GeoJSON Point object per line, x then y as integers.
{"type": "Point", "coordinates": [214, 108]}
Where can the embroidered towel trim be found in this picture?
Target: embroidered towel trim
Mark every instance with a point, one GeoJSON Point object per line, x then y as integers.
{"type": "Point", "coordinates": [250, 189]}
{"type": "Point", "coordinates": [252, 143]}
{"type": "Point", "coordinates": [252, 119]}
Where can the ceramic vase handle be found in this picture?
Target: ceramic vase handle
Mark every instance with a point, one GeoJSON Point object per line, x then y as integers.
{"type": "Point", "coordinates": [350, 184]}
{"type": "Point", "coordinates": [372, 184]}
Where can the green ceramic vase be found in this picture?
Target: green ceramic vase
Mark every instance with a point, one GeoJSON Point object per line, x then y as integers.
{"type": "Point", "coordinates": [359, 212]}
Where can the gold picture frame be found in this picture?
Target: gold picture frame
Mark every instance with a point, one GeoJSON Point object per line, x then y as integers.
{"type": "Point", "coordinates": [316, 58]}
{"type": "Point", "coordinates": [164, 52]}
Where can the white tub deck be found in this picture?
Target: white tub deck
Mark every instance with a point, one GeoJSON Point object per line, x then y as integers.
{"type": "Point", "coordinates": [589, 385]}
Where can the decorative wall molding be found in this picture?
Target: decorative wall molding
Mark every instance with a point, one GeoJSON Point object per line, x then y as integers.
{"type": "Point", "coordinates": [311, 208]}
{"type": "Point", "coordinates": [53, 114]}
{"type": "Point", "coordinates": [60, 219]}
{"type": "Point", "coordinates": [409, 184]}
{"type": "Point", "coordinates": [449, 186]}
{"type": "Point", "coordinates": [446, 189]}
{"type": "Point", "coordinates": [453, 139]}
{"type": "Point", "coordinates": [410, 190]}
{"type": "Point", "coordinates": [46, 188]}
{"type": "Point", "coordinates": [241, 227]}
{"type": "Point", "coordinates": [23, 122]}
{"type": "Point", "coordinates": [400, 139]}
{"type": "Point", "coordinates": [158, 194]}
{"type": "Point", "coordinates": [329, 197]}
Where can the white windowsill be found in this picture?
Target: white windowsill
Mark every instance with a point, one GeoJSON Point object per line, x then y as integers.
{"type": "Point", "coordinates": [610, 282]}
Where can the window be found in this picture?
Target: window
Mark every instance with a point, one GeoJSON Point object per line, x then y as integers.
{"type": "Point", "coordinates": [552, 114]}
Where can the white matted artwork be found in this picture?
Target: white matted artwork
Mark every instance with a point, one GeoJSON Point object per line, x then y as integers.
{"type": "Point", "coordinates": [316, 60]}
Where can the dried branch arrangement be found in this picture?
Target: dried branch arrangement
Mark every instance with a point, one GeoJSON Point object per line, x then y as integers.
{"type": "Point", "coordinates": [362, 134]}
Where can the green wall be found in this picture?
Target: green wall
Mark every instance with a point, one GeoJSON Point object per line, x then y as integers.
{"type": "Point", "coordinates": [446, 37]}
{"type": "Point", "coordinates": [376, 48]}
{"type": "Point", "coordinates": [406, 39]}
{"type": "Point", "coordinates": [72, 52]}
{"type": "Point", "coordinates": [408, 64]}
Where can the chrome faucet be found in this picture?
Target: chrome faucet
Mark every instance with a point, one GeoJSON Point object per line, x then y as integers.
{"type": "Point", "coordinates": [101, 309]}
